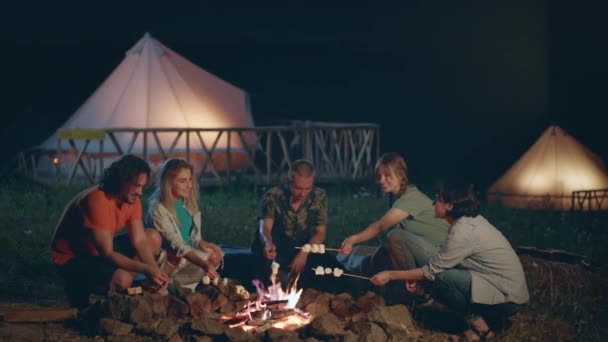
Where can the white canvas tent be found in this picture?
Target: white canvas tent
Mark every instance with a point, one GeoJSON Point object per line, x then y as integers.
{"type": "Point", "coordinates": [156, 88]}
{"type": "Point", "coordinates": [547, 174]}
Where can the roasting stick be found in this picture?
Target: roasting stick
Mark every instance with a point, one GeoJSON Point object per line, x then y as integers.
{"type": "Point", "coordinates": [327, 249]}
{"type": "Point", "coordinates": [348, 275]}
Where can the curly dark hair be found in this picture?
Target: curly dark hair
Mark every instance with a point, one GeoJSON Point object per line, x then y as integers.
{"type": "Point", "coordinates": [462, 197]}
{"type": "Point", "coordinates": [121, 172]}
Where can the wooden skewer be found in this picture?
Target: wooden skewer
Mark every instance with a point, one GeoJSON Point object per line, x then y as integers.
{"type": "Point", "coordinates": [348, 275]}
{"type": "Point", "coordinates": [355, 276]}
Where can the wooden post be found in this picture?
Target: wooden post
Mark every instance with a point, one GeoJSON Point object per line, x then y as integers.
{"type": "Point", "coordinates": [188, 146]}
{"type": "Point", "coordinates": [268, 155]}
{"type": "Point", "coordinates": [228, 161]}
{"type": "Point", "coordinates": [101, 157]}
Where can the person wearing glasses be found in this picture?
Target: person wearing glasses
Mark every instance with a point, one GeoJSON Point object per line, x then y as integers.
{"type": "Point", "coordinates": [414, 234]}
{"type": "Point", "coordinates": [476, 273]}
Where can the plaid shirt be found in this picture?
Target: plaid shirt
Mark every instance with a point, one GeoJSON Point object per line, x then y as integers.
{"type": "Point", "coordinates": [291, 226]}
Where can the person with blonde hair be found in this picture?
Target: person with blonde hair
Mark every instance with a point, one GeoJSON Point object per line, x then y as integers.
{"type": "Point", "coordinates": [175, 213]}
{"type": "Point", "coordinates": [414, 233]}
{"type": "Point", "coordinates": [477, 274]}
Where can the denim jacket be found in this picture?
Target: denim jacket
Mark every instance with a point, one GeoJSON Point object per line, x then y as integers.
{"type": "Point", "coordinates": [163, 221]}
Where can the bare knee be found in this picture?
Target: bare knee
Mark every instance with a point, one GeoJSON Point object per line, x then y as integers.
{"type": "Point", "coordinates": [122, 280]}
{"type": "Point", "coordinates": [155, 240]}
{"type": "Point", "coordinates": [215, 258]}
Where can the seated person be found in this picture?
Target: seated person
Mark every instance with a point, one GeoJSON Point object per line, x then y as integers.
{"type": "Point", "coordinates": [84, 247]}
{"type": "Point", "coordinates": [414, 233]}
{"type": "Point", "coordinates": [174, 212]}
{"type": "Point", "coordinates": [292, 215]}
{"type": "Point", "coordinates": [476, 273]}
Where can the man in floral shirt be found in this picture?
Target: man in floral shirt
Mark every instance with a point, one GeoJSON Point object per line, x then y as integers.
{"type": "Point", "coordinates": [291, 215]}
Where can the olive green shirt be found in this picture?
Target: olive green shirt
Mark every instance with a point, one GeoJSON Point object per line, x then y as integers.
{"type": "Point", "coordinates": [294, 226]}
{"type": "Point", "coordinates": [421, 220]}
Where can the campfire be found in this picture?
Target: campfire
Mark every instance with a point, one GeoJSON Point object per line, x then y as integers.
{"type": "Point", "coordinates": [271, 307]}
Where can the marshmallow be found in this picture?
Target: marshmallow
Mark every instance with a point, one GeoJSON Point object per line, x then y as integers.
{"type": "Point", "coordinates": [275, 267]}
{"type": "Point", "coordinates": [338, 272]}
{"type": "Point", "coordinates": [225, 281]}
{"type": "Point", "coordinates": [319, 270]}
{"type": "Point", "coordinates": [314, 248]}
{"type": "Point", "coordinates": [216, 281]}
{"type": "Point", "coordinates": [306, 248]}
{"type": "Point", "coordinates": [328, 270]}
{"type": "Point", "coordinates": [321, 249]}
{"type": "Point", "coordinates": [240, 290]}
{"type": "Point", "coordinates": [206, 280]}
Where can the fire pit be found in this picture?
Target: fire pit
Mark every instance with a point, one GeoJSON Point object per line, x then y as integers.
{"type": "Point", "coordinates": [271, 307]}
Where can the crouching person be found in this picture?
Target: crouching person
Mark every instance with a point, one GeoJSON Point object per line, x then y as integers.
{"type": "Point", "coordinates": [89, 253]}
{"type": "Point", "coordinates": [476, 273]}
{"type": "Point", "coordinates": [175, 213]}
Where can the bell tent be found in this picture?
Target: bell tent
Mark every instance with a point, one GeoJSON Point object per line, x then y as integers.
{"type": "Point", "coordinates": [557, 172]}
{"type": "Point", "coordinates": [158, 104]}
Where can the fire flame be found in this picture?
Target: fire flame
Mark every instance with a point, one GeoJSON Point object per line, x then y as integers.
{"type": "Point", "coordinates": [275, 293]}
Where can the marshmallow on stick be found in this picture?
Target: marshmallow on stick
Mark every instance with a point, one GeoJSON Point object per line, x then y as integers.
{"type": "Point", "coordinates": [337, 272]}
{"type": "Point", "coordinates": [318, 248]}
{"type": "Point", "coordinates": [275, 267]}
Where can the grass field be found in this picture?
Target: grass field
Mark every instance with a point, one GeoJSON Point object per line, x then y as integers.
{"type": "Point", "coordinates": [30, 211]}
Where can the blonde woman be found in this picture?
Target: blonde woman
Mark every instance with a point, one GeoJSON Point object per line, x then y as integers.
{"type": "Point", "coordinates": [414, 233]}
{"type": "Point", "coordinates": [174, 212]}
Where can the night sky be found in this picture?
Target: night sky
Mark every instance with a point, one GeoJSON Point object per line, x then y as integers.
{"type": "Point", "coordinates": [458, 87]}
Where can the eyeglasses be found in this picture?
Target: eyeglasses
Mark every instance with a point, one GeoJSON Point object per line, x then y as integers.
{"type": "Point", "coordinates": [437, 199]}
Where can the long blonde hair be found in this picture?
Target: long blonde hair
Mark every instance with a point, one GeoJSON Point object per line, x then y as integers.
{"type": "Point", "coordinates": [163, 194]}
{"type": "Point", "coordinates": [396, 164]}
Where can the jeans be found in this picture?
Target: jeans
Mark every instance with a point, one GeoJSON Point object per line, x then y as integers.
{"type": "Point", "coordinates": [453, 289]}
{"type": "Point", "coordinates": [408, 251]}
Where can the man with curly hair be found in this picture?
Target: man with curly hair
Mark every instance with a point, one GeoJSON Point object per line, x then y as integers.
{"type": "Point", "coordinates": [89, 253]}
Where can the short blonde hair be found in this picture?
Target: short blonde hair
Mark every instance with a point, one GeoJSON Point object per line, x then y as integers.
{"type": "Point", "coordinates": [302, 167]}
{"type": "Point", "coordinates": [396, 164]}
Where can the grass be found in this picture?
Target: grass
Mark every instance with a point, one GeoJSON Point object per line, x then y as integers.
{"type": "Point", "coordinates": [561, 294]}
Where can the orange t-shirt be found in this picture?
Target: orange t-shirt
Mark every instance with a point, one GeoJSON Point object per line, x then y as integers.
{"type": "Point", "coordinates": [91, 209]}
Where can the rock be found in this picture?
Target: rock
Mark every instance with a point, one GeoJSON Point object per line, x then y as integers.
{"type": "Point", "coordinates": [351, 337]}
{"type": "Point", "coordinates": [275, 334]}
{"type": "Point", "coordinates": [342, 305]}
{"type": "Point", "coordinates": [147, 327]}
{"type": "Point", "coordinates": [159, 304]}
{"type": "Point", "coordinates": [238, 335]}
{"type": "Point", "coordinates": [127, 338]}
{"type": "Point", "coordinates": [200, 305]}
{"type": "Point", "coordinates": [119, 307]}
{"type": "Point", "coordinates": [208, 327]}
{"type": "Point", "coordinates": [396, 321]}
{"type": "Point", "coordinates": [17, 332]}
{"type": "Point", "coordinates": [141, 313]}
{"type": "Point", "coordinates": [317, 309]}
{"type": "Point", "coordinates": [308, 296]}
{"type": "Point", "coordinates": [369, 332]}
{"type": "Point", "coordinates": [114, 327]}
{"type": "Point", "coordinates": [326, 325]}
{"type": "Point", "coordinates": [219, 301]}
{"type": "Point", "coordinates": [176, 338]}
{"type": "Point", "coordinates": [369, 301]}
{"type": "Point", "coordinates": [167, 328]}
{"type": "Point", "coordinates": [176, 308]}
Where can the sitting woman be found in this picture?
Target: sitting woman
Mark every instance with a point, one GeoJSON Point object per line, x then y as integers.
{"type": "Point", "coordinates": [476, 273]}
{"type": "Point", "coordinates": [174, 212]}
{"type": "Point", "coordinates": [418, 233]}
